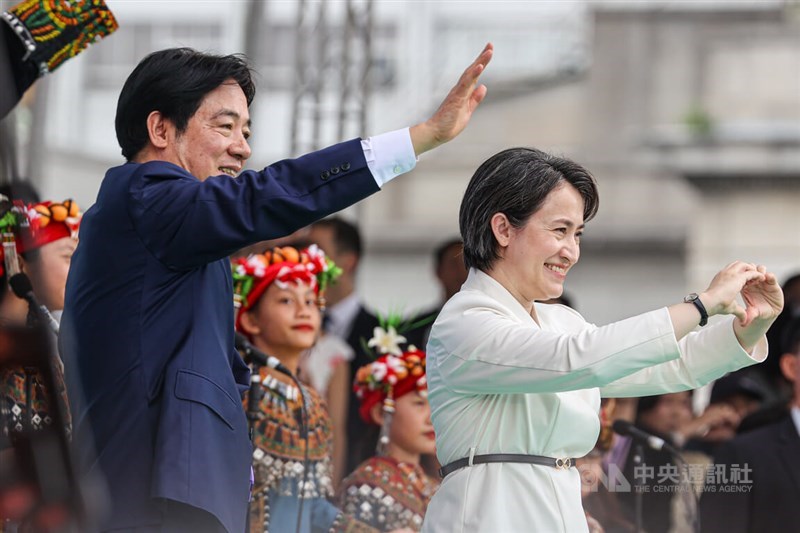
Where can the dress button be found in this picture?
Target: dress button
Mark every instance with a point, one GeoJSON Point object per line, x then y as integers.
{"type": "Point", "coordinates": [397, 169]}
{"type": "Point", "coordinates": [335, 170]}
{"type": "Point", "coordinates": [325, 175]}
{"type": "Point", "coordinates": [345, 166]}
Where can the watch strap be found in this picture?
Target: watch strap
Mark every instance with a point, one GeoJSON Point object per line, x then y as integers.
{"type": "Point", "coordinates": [694, 299]}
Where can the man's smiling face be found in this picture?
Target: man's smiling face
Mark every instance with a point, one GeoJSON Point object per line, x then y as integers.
{"type": "Point", "coordinates": [215, 139]}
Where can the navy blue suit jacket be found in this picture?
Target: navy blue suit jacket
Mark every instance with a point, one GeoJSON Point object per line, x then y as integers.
{"type": "Point", "coordinates": [147, 327]}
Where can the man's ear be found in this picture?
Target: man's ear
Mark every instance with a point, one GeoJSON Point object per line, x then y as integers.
{"type": "Point", "coordinates": [501, 228]}
{"type": "Point", "coordinates": [158, 129]}
{"type": "Point", "coordinates": [249, 324]}
{"type": "Point", "coordinates": [376, 413]}
{"type": "Point", "coordinates": [789, 366]}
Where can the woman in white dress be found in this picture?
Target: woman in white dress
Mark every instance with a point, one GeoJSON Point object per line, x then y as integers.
{"type": "Point", "coordinates": [510, 376]}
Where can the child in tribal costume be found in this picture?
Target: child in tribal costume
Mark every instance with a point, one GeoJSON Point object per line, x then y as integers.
{"type": "Point", "coordinates": [38, 240]}
{"type": "Point", "coordinates": [45, 236]}
{"type": "Point", "coordinates": [279, 295]}
{"type": "Point", "coordinates": [391, 490]}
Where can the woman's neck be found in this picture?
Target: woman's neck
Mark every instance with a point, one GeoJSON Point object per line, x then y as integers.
{"type": "Point", "coordinates": [289, 357]}
{"type": "Point", "coordinates": [401, 455]}
{"type": "Point", "coordinates": [507, 281]}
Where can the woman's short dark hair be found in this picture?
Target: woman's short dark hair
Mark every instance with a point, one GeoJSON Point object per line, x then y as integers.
{"type": "Point", "coordinates": [174, 82]}
{"type": "Point", "coordinates": [515, 182]}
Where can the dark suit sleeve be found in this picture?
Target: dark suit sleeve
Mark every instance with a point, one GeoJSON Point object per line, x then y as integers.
{"type": "Point", "coordinates": [725, 512]}
{"type": "Point", "coordinates": [185, 222]}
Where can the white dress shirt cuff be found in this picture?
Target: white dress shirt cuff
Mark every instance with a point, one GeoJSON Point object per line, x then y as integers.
{"type": "Point", "coordinates": [389, 155]}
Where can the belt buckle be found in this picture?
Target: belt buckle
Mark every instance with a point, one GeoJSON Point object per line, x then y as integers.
{"type": "Point", "coordinates": [563, 463]}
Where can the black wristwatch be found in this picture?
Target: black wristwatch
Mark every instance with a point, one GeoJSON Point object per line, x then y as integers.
{"type": "Point", "coordinates": [695, 299]}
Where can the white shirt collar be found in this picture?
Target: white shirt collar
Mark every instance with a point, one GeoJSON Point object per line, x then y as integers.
{"type": "Point", "coordinates": [796, 417]}
{"type": "Point", "coordinates": [341, 316]}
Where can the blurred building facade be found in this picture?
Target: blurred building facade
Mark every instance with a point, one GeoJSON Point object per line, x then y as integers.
{"type": "Point", "coordinates": [687, 113]}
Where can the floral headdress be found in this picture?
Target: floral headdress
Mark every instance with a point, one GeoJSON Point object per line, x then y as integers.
{"type": "Point", "coordinates": [281, 265]}
{"type": "Point", "coordinates": [48, 222]}
{"type": "Point", "coordinates": [25, 228]}
{"type": "Point", "coordinates": [395, 373]}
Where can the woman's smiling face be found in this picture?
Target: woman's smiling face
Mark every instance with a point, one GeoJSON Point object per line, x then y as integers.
{"type": "Point", "coordinates": [536, 257]}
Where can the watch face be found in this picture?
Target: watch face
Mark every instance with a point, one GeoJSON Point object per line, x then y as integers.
{"type": "Point", "coordinates": [690, 298]}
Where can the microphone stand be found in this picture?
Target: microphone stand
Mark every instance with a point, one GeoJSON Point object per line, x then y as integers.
{"type": "Point", "coordinates": [254, 395]}
{"type": "Point", "coordinates": [638, 483]}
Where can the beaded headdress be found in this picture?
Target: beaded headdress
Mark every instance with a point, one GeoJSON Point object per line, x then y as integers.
{"type": "Point", "coordinates": [395, 373]}
{"type": "Point", "coordinates": [281, 265]}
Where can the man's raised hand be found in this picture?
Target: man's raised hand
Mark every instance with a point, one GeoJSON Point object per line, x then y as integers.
{"type": "Point", "coordinates": [456, 110]}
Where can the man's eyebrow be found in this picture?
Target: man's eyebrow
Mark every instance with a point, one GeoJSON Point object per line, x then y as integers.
{"type": "Point", "coordinates": [230, 113]}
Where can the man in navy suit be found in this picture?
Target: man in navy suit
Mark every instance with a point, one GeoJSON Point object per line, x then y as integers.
{"type": "Point", "coordinates": [147, 328]}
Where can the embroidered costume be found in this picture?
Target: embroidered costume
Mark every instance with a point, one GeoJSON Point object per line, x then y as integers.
{"type": "Point", "coordinates": [280, 452]}
{"type": "Point", "coordinates": [53, 31]}
{"type": "Point", "coordinates": [388, 494]}
{"type": "Point", "coordinates": [37, 36]}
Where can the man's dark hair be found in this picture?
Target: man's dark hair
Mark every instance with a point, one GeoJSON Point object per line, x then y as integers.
{"type": "Point", "coordinates": [174, 82]}
{"type": "Point", "coordinates": [345, 235]}
{"type": "Point", "coordinates": [646, 403]}
{"type": "Point", "coordinates": [440, 253]}
{"type": "Point", "coordinates": [791, 337]}
{"type": "Point", "coordinates": [791, 280]}
{"type": "Point", "coordinates": [515, 182]}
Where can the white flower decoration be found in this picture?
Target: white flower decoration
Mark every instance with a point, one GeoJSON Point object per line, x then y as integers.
{"type": "Point", "coordinates": [379, 371]}
{"type": "Point", "coordinates": [396, 364]}
{"type": "Point", "coordinates": [256, 263]}
{"type": "Point", "coordinates": [386, 342]}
